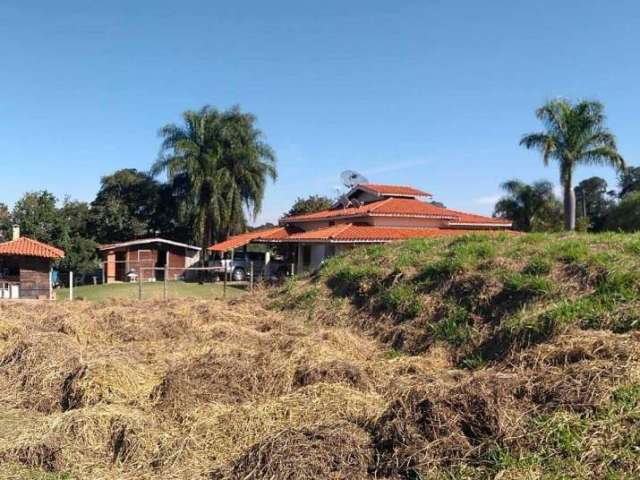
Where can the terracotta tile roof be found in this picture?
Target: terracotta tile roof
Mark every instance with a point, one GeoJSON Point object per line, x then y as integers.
{"type": "Point", "coordinates": [401, 190]}
{"type": "Point", "coordinates": [27, 247]}
{"type": "Point", "coordinates": [398, 207]}
{"type": "Point", "coordinates": [244, 238]}
{"type": "Point", "coordinates": [368, 233]}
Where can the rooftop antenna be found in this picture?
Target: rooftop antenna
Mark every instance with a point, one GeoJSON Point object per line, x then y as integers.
{"type": "Point", "coordinates": [351, 178]}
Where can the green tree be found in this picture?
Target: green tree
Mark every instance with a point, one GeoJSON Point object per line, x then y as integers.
{"type": "Point", "coordinates": [574, 134]}
{"type": "Point", "coordinates": [225, 163]}
{"type": "Point", "coordinates": [629, 181]}
{"type": "Point", "coordinates": [625, 215]}
{"type": "Point", "coordinates": [37, 215]}
{"type": "Point", "coordinates": [592, 202]}
{"type": "Point", "coordinates": [75, 238]}
{"type": "Point", "coordinates": [132, 204]}
{"type": "Point", "coordinates": [5, 222]}
{"type": "Point", "coordinates": [311, 204]}
{"type": "Point", "coordinates": [530, 207]}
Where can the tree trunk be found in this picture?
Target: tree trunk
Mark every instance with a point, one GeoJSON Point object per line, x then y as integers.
{"type": "Point", "coordinates": [569, 207]}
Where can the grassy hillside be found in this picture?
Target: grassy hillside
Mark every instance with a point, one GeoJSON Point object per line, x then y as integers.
{"type": "Point", "coordinates": [477, 358]}
{"type": "Point", "coordinates": [540, 336]}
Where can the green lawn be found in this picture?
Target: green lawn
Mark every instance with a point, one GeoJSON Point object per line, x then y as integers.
{"type": "Point", "coordinates": [150, 290]}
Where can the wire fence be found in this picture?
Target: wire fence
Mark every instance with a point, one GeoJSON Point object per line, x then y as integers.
{"type": "Point", "coordinates": [150, 282]}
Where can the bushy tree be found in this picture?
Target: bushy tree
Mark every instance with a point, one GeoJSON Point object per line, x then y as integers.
{"type": "Point", "coordinates": [76, 238]}
{"type": "Point", "coordinates": [5, 222]}
{"type": "Point", "coordinates": [629, 181]}
{"type": "Point", "coordinates": [37, 215]}
{"type": "Point", "coordinates": [575, 134]}
{"type": "Point", "coordinates": [530, 207]}
{"type": "Point", "coordinates": [311, 204]}
{"type": "Point", "coordinates": [625, 216]}
{"type": "Point", "coordinates": [132, 204]}
{"type": "Point", "coordinates": [593, 202]}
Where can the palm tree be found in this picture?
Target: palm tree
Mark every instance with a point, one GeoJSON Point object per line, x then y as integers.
{"type": "Point", "coordinates": [246, 162]}
{"type": "Point", "coordinates": [574, 134]}
{"type": "Point", "coordinates": [221, 165]}
{"type": "Point", "coordinates": [530, 207]}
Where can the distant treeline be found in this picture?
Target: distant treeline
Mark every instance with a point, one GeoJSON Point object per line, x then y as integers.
{"type": "Point", "coordinates": [535, 207]}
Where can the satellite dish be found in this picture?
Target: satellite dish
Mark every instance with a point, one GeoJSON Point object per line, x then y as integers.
{"type": "Point", "coordinates": [351, 178]}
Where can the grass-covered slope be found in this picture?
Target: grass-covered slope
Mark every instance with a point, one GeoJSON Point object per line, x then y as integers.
{"type": "Point", "coordinates": [484, 296]}
{"type": "Point", "coordinates": [538, 343]}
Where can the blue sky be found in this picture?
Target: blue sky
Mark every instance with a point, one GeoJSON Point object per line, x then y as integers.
{"type": "Point", "coordinates": [434, 94]}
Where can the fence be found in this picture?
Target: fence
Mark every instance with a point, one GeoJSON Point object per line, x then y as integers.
{"type": "Point", "coordinates": [147, 282]}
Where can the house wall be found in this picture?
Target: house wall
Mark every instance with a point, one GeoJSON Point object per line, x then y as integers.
{"type": "Point", "coordinates": [176, 262]}
{"type": "Point", "coordinates": [318, 253]}
{"type": "Point", "coordinates": [150, 258]}
{"type": "Point", "coordinates": [142, 259]}
{"type": "Point", "coordinates": [110, 266]}
{"type": "Point", "coordinates": [34, 277]}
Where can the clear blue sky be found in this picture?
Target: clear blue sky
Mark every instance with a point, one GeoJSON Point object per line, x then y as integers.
{"type": "Point", "coordinates": [434, 94]}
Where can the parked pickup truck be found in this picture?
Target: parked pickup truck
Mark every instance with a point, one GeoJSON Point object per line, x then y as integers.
{"type": "Point", "coordinates": [239, 267]}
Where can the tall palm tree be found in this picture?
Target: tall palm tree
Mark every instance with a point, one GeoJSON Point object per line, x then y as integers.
{"type": "Point", "coordinates": [529, 207]}
{"type": "Point", "coordinates": [222, 161]}
{"type": "Point", "coordinates": [246, 162]}
{"type": "Point", "coordinates": [574, 134]}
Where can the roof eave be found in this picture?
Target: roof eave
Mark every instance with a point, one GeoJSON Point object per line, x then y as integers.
{"type": "Point", "coordinates": [479, 224]}
{"type": "Point", "coordinates": [147, 241]}
{"type": "Point", "coordinates": [366, 215]}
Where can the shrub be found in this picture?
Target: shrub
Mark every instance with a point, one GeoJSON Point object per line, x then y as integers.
{"type": "Point", "coordinates": [454, 328]}
{"type": "Point", "coordinates": [526, 285]}
{"type": "Point", "coordinates": [538, 265]}
{"type": "Point", "coordinates": [402, 300]}
{"type": "Point", "coordinates": [625, 215]}
{"type": "Point", "coordinates": [568, 251]}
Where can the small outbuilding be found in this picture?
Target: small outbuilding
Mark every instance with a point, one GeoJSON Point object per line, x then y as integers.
{"type": "Point", "coordinates": [25, 268]}
{"type": "Point", "coordinates": [146, 259]}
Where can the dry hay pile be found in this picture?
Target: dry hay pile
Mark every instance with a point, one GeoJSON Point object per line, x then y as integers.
{"type": "Point", "coordinates": [198, 389]}
{"type": "Point", "coordinates": [340, 451]}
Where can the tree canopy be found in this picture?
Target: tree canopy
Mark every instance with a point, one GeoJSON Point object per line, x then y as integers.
{"type": "Point", "coordinates": [530, 207]}
{"type": "Point", "coordinates": [593, 202]}
{"type": "Point", "coordinates": [625, 216]}
{"type": "Point", "coordinates": [310, 204]}
{"type": "Point", "coordinates": [37, 215]}
{"type": "Point", "coordinates": [5, 221]}
{"type": "Point", "coordinates": [225, 163]}
{"type": "Point", "coordinates": [629, 181]}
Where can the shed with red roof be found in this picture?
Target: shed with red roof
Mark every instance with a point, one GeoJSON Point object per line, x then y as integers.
{"type": "Point", "coordinates": [25, 267]}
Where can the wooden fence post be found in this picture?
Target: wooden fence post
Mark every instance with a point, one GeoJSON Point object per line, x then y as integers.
{"type": "Point", "coordinates": [139, 283]}
{"type": "Point", "coordinates": [251, 278]}
{"type": "Point", "coordinates": [70, 285]}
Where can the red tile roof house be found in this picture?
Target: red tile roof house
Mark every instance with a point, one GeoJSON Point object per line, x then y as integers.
{"type": "Point", "coordinates": [25, 268]}
{"type": "Point", "coordinates": [370, 213]}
